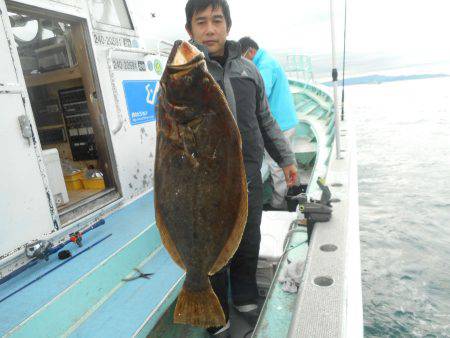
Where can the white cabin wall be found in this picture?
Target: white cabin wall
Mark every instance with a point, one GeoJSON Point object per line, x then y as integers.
{"type": "Point", "coordinates": [24, 199]}
{"type": "Point", "coordinates": [26, 205]}
{"type": "Point", "coordinates": [132, 147]}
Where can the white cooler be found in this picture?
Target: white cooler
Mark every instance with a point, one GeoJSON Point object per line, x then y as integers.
{"type": "Point", "coordinates": [275, 226]}
{"type": "Point", "coordinates": [55, 176]}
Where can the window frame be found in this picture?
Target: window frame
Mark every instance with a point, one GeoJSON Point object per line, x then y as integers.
{"type": "Point", "coordinates": [101, 26]}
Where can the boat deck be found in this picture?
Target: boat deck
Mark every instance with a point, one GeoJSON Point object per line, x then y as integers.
{"type": "Point", "coordinates": [86, 294]}
{"type": "Point", "coordinates": [87, 290]}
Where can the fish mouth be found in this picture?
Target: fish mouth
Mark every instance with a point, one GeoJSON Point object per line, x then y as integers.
{"type": "Point", "coordinates": [185, 54]}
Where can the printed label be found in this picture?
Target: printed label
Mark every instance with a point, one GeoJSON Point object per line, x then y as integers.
{"type": "Point", "coordinates": [141, 98]}
{"type": "Point", "coordinates": [129, 65]}
{"type": "Point", "coordinates": [111, 40]}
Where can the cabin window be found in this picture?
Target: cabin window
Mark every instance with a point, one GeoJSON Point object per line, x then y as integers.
{"type": "Point", "coordinates": [111, 12]}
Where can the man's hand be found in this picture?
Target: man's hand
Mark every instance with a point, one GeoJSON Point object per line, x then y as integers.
{"type": "Point", "coordinates": [290, 173]}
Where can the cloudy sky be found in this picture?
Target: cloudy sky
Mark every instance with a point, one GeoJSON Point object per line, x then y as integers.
{"type": "Point", "coordinates": [413, 30]}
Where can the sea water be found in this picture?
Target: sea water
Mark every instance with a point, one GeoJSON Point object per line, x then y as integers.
{"type": "Point", "coordinates": [403, 140]}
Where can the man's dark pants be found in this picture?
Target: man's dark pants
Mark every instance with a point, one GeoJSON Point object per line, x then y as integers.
{"type": "Point", "coordinates": [242, 267]}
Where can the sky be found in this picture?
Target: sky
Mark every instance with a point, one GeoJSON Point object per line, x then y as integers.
{"type": "Point", "coordinates": [380, 33]}
{"type": "Point", "coordinates": [401, 30]}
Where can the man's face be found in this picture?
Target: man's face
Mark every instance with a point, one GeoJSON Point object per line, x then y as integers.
{"type": "Point", "coordinates": [210, 29]}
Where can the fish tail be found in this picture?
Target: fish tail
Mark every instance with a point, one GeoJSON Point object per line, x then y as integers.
{"type": "Point", "coordinates": [199, 308]}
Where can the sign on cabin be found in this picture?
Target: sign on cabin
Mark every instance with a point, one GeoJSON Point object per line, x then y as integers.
{"type": "Point", "coordinates": [141, 97]}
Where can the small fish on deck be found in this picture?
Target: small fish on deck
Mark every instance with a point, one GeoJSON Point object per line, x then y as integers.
{"type": "Point", "coordinates": [200, 184]}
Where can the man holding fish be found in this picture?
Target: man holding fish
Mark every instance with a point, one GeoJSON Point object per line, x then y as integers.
{"type": "Point", "coordinates": [208, 24]}
{"type": "Point", "coordinates": [237, 102]}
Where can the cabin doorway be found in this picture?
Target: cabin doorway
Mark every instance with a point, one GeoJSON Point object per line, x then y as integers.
{"type": "Point", "coordinates": [60, 80]}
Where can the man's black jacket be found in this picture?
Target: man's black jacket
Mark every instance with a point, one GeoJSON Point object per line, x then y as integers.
{"type": "Point", "coordinates": [244, 89]}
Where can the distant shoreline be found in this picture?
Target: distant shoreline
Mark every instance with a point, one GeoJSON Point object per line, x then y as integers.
{"type": "Point", "coordinates": [378, 79]}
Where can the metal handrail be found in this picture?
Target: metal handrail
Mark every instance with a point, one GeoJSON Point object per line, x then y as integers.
{"type": "Point", "coordinates": [299, 64]}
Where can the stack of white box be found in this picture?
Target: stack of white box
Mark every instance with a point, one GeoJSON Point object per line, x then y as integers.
{"type": "Point", "coordinates": [55, 176]}
{"type": "Point", "coordinates": [275, 226]}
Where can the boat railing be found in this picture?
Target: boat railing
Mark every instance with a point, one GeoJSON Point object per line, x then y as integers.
{"type": "Point", "coordinates": [299, 67]}
{"type": "Point", "coordinates": [321, 126]}
{"type": "Point", "coordinates": [329, 301]}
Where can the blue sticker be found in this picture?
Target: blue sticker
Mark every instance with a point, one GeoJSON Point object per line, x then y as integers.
{"type": "Point", "coordinates": [141, 97]}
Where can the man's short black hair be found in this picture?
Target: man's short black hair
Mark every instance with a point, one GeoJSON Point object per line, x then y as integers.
{"type": "Point", "coordinates": [195, 6]}
{"type": "Point", "coordinates": [246, 43]}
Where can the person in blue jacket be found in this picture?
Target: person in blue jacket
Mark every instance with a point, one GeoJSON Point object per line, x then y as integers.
{"type": "Point", "coordinates": [281, 105]}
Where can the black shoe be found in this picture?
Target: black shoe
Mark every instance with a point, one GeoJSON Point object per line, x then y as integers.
{"type": "Point", "coordinates": [220, 332]}
{"type": "Point", "coordinates": [250, 313]}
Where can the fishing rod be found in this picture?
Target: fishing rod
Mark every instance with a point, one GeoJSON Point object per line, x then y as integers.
{"type": "Point", "coordinates": [334, 74]}
{"type": "Point", "coordinates": [343, 62]}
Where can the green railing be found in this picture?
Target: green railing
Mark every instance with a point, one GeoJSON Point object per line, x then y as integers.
{"type": "Point", "coordinates": [299, 67]}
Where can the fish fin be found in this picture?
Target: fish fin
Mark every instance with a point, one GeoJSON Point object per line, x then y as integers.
{"type": "Point", "coordinates": [167, 241]}
{"type": "Point", "coordinates": [233, 241]}
{"type": "Point", "coordinates": [199, 308]}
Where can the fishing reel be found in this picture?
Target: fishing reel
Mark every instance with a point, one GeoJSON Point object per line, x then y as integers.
{"type": "Point", "coordinates": [77, 238]}
{"type": "Point", "coordinates": [318, 211]}
{"type": "Point", "coordinates": [314, 210]}
{"type": "Point", "coordinates": [38, 250]}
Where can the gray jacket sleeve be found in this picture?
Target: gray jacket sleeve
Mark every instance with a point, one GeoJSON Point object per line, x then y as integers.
{"type": "Point", "coordinates": [275, 142]}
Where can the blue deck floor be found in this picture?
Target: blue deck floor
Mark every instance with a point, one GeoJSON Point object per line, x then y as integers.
{"type": "Point", "coordinates": [44, 284]}
{"type": "Point", "coordinates": [63, 298]}
{"type": "Point", "coordinates": [134, 302]}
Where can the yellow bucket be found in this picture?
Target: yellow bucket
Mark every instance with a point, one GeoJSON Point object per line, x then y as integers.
{"type": "Point", "coordinates": [74, 181]}
{"type": "Point", "coordinates": [94, 183]}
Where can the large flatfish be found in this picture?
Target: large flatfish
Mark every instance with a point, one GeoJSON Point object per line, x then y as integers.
{"type": "Point", "coordinates": [200, 184]}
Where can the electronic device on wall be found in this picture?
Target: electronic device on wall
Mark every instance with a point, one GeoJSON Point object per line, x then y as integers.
{"type": "Point", "coordinates": [78, 123]}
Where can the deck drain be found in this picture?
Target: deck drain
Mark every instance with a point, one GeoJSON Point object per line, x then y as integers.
{"type": "Point", "coordinates": [323, 281]}
{"type": "Point", "coordinates": [328, 247]}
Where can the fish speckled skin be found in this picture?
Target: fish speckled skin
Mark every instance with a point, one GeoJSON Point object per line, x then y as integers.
{"type": "Point", "coordinates": [200, 185]}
